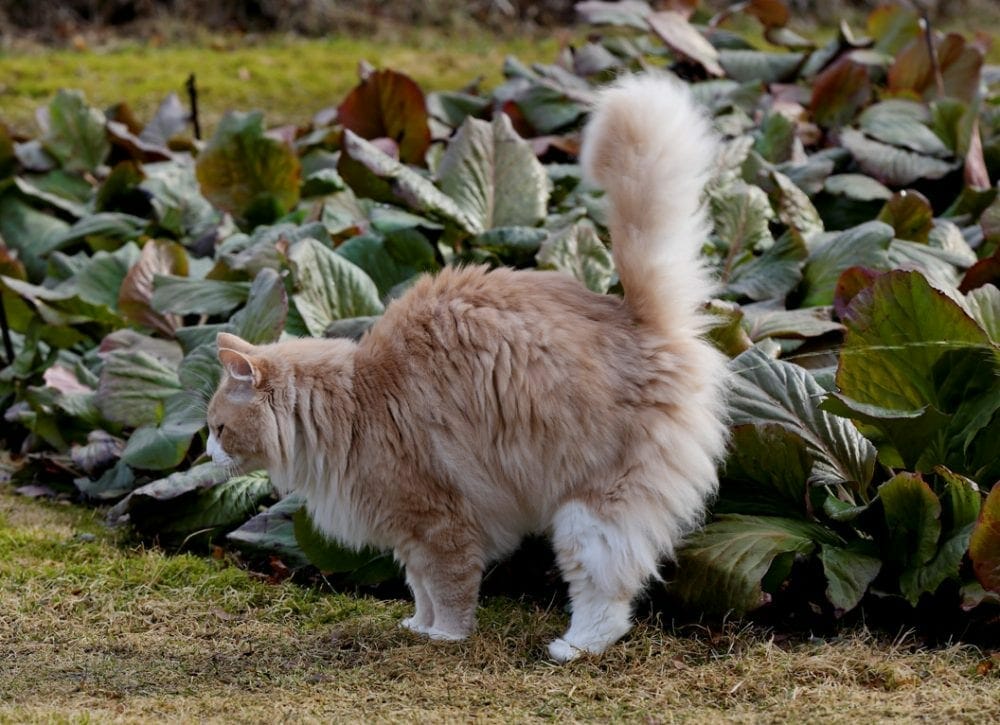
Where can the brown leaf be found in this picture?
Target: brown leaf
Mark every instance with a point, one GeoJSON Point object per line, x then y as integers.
{"type": "Point", "coordinates": [389, 104]}
{"type": "Point", "coordinates": [771, 13]}
{"type": "Point", "coordinates": [976, 175]}
{"type": "Point", "coordinates": [157, 257]}
{"type": "Point", "coordinates": [683, 39]}
{"type": "Point", "coordinates": [839, 92]}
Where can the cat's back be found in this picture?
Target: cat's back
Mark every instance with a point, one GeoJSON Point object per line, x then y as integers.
{"type": "Point", "coordinates": [477, 311]}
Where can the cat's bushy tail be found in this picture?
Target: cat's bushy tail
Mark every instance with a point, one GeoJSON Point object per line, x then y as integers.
{"type": "Point", "coordinates": [651, 148]}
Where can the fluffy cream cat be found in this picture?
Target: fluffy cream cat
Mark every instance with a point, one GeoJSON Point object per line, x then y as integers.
{"type": "Point", "coordinates": [486, 405]}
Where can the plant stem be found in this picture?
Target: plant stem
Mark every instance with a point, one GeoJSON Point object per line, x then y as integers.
{"type": "Point", "coordinates": [192, 90]}
{"type": "Point", "coordinates": [8, 346]}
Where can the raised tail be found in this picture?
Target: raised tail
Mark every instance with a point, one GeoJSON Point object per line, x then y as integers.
{"type": "Point", "coordinates": [650, 147]}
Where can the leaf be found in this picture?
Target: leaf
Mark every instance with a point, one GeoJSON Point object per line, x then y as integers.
{"type": "Point", "coordinates": [682, 39]}
{"type": "Point", "coordinates": [185, 296]}
{"type": "Point", "coordinates": [910, 214]}
{"type": "Point", "coordinates": [892, 165]}
{"type": "Point", "coordinates": [765, 320]}
{"type": "Point", "coordinates": [984, 545]}
{"type": "Point", "coordinates": [114, 483]}
{"type": "Point", "coordinates": [849, 572]}
{"type": "Point", "coordinates": [900, 332]}
{"type": "Point", "coordinates": [246, 173]}
{"type": "Point", "coordinates": [31, 233]}
{"type": "Point", "coordinates": [912, 519]}
{"type": "Point", "coordinates": [101, 450]}
{"type": "Point", "coordinates": [75, 136]}
{"type": "Point", "coordinates": [578, 251]}
{"type": "Point", "coordinates": [773, 391]}
{"type": "Point", "coordinates": [262, 319]}
{"type": "Point", "coordinates": [156, 448]}
{"type": "Point", "coordinates": [839, 92]}
{"type": "Point", "coordinates": [893, 27]}
{"type": "Point", "coordinates": [387, 104]}
{"type": "Point", "coordinates": [400, 183]}
{"type": "Point", "coordinates": [630, 13]}
{"type": "Point", "coordinates": [170, 119]}
{"type": "Point", "coordinates": [391, 259]}
{"type": "Point", "coordinates": [740, 214]}
{"type": "Point", "coordinates": [903, 123]}
{"type": "Point", "coordinates": [136, 293]}
{"type": "Point", "coordinates": [272, 532]}
{"type": "Point", "coordinates": [494, 176]}
{"type": "Point", "coordinates": [773, 274]}
{"type": "Point", "coordinates": [863, 246]}
{"type": "Point", "coordinates": [134, 386]}
{"type": "Point", "coordinates": [100, 279]}
{"type": "Point", "coordinates": [325, 554]}
{"type": "Point", "coordinates": [721, 566]}
{"type": "Point", "coordinates": [177, 201]}
{"type": "Point", "coordinates": [202, 500]}
{"type": "Point", "coordinates": [759, 66]}
{"type": "Point", "coordinates": [983, 304]}
{"type": "Point", "coordinates": [795, 210]}
{"type": "Point", "coordinates": [329, 287]}
{"type": "Point", "coordinates": [766, 472]}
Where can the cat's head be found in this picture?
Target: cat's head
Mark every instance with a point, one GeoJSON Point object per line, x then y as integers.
{"type": "Point", "coordinates": [241, 421]}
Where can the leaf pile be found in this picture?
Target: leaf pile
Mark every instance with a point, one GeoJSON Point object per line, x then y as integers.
{"type": "Point", "coordinates": [856, 235]}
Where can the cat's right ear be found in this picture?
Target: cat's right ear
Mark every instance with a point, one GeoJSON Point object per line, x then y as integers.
{"type": "Point", "coordinates": [232, 342]}
{"type": "Point", "coordinates": [240, 367]}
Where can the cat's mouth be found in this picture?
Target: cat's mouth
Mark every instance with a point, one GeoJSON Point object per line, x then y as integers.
{"type": "Point", "coordinates": [218, 453]}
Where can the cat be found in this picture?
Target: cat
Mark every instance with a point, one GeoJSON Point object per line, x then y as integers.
{"type": "Point", "coordinates": [489, 404]}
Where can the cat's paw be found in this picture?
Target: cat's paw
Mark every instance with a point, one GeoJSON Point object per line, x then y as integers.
{"type": "Point", "coordinates": [562, 651]}
{"type": "Point", "coordinates": [443, 635]}
{"type": "Point", "coordinates": [413, 625]}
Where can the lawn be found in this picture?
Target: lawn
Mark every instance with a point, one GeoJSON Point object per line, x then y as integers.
{"type": "Point", "coordinates": [290, 79]}
{"type": "Point", "coordinates": [94, 630]}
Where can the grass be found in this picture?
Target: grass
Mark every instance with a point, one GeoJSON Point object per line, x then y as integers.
{"type": "Point", "coordinates": [289, 78]}
{"type": "Point", "coordinates": [91, 630]}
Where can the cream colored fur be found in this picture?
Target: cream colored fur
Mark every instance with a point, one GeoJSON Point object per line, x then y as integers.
{"type": "Point", "coordinates": [487, 405]}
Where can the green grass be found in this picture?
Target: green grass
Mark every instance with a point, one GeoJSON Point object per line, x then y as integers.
{"type": "Point", "coordinates": [92, 630]}
{"type": "Point", "coordinates": [290, 79]}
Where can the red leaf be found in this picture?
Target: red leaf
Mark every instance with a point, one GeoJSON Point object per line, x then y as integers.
{"type": "Point", "coordinates": [852, 281]}
{"type": "Point", "coordinates": [389, 104]}
{"type": "Point", "coordinates": [984, 545]}
{"type": "Point", "coordinates": [839, 91]}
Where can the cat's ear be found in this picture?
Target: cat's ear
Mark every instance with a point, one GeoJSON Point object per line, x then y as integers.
{"type": "Point", "coordinates": [232, 342]}
{"type": "Point", "coordinates": [240, 367]}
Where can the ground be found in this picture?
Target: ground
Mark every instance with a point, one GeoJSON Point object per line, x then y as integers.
{"type": "Point", "coordinates": [92, 630]}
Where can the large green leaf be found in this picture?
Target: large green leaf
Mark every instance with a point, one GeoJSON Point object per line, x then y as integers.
{"type": "Point", "coordinates": [134, 387]}
{"type": "Point", "coordinates": [912, 519]}
{"type": "Point", "coordinates": [329, 287]}
{"type": "Point", "coordinates": [75, 135]}
{"type": "Point", "coordinates": [579, 251]}
{"type": "Point", "coordinates": [862, 246]}
{"type": "Point", "coordinates": [390, 259]}
{"type": "Point", "coordinates": [262, 319]}
{"type": "Point", "coordinates": [394, 181]}
{"type": "Point", "coordinates": [493, 175]}
{"type": "Point", "coordinates": [272, 532]}
{"type": "Point", "coordinates": [903, 123]}
{"type": "Point", "coordinates": [253, 177]}
{"type": "Point", "coordinates": [772, 274]}
{"type": "Point", "coordinates": [849, 571]}
{"type": "Point", "coordinates": [764, 390]}
{"type": "Point", "coordinates": [177, 200]}
{"type": "Point", "coordinates": [891, 164]}
{"type": "Point", "coordinates": [184, 296]}
{"type": "Point", "coordinates": [30, 232]}
{"type": "Point", "coordinates": [198, 502]}
{"type": "Point", "coordinates": [328, 556]}
{"type": "Point", "coordinates": [721, 566]}
{"type": "Point", "coordinates": [766, 472]}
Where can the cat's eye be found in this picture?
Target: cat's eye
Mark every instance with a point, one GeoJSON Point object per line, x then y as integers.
{"type": "Point", "coordinates": [218, 431]}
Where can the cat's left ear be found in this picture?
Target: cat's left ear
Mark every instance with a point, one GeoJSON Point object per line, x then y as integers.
{"type": "Point", "coordinates": [241, 367]}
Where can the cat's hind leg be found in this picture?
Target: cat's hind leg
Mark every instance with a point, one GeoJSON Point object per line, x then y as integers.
{"type": "Point", "coordinates": [605, 565]}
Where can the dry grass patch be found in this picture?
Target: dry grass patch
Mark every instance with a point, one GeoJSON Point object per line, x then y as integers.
{"type": "Point", "coordinates": [93, 630]}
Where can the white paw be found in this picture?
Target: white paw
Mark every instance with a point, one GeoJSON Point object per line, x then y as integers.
{"type": "Point", "coordinates": [413, 625]}
{"type": "Point", "coordinates": [443, 635]}
{"type": "Point", "coordinates": [562, 651]}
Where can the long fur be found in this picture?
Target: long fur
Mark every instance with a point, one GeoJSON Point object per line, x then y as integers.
{"type": "Point", "coordinates": [486, 405]}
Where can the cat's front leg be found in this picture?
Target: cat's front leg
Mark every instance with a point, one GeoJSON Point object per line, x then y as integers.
{"type": "Point", "coordinates": [423, 616]}
{"type": "Point", "coordinates": [449, 577]}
